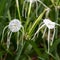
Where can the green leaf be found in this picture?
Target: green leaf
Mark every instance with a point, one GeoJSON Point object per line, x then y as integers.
{"type": "Point", "coordinates": [37, 50]}
{"type": "Point", "coordinates": [19, 52]}
{"type": "Point", "coordinates": [55, 44]}
{"type": "Point", "coordinates": [36, 23]}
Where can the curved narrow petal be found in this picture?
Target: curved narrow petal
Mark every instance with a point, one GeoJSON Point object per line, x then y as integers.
{"type": "Point", "coordinates": [48, 39]}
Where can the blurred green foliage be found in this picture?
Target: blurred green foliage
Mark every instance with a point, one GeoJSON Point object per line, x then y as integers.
{"type": "Point", "coordinates": [31, 50]}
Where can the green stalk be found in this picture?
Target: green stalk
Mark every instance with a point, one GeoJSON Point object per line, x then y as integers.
{"type": "Point", "coordinates": [29, 11]}
{"type": "Point", "coordinates": [9, 16]}
{"type": "Point", "coordinates": [18, 9]}
{"type": "Point", "coordinates": [36, 23]}
{"type": "Point", "coordinates": [56, 15]}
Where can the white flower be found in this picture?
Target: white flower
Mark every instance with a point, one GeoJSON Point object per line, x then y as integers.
{"type": "Point", "coordinates": [47, 23]}
{"type": "Point", "coordinates": [31, 2]}
{"type": "Point", "coordinates": [14, 25]}
{"type": "Point", "coordinates": [29, 10]}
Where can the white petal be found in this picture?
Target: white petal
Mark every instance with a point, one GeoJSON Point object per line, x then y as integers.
{"type": "Point", "coordinates": [31, 1]}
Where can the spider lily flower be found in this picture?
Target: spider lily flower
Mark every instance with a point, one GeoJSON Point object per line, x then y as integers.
{"type": "Point", "coordinates": [31, 2]}
{"type": "Point", "coordinates": [47, 23]}
{"type": "Point", "coordinates": [14, 26]}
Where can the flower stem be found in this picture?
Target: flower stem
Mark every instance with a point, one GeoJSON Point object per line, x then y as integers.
{"type": "Point", "coordinates": [56, 15]}
{"type": "Point", "coordinates": [29, 11]}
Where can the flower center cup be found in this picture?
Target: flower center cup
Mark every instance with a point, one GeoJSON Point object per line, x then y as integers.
{"type": "Point", "coordinates": [49, 24]}
{"type": "Point", "coordinates": [14, 25]}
